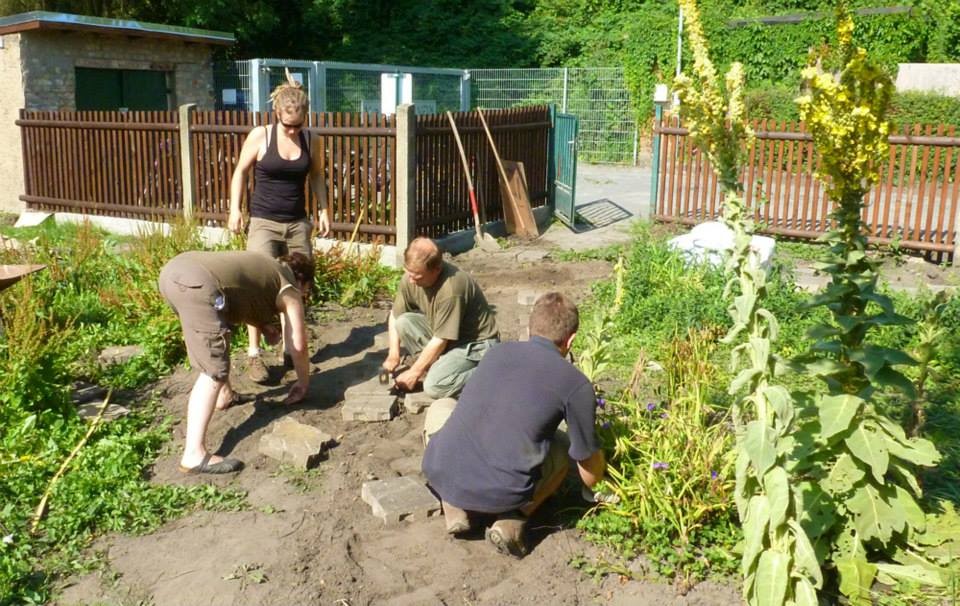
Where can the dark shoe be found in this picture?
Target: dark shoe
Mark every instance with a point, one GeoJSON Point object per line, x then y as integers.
{"type": "Point", "coordinates": [224, 466]}
{"type": "Point", "coordinates": [257, 370]}
{"type": "Point", "coordinates": [457, 520]}
{"type": "Point", "coordinates": [506, 534]}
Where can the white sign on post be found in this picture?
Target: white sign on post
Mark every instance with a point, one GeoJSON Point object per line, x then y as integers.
{"type": "Point", "coordinates": [389, 92]}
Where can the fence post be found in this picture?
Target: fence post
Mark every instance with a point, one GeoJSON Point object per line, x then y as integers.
{"type": "Point", "coordinates": [563, 105]}
{"type": "Point", "coordinates": [660, 97]}
{"type": "Point", "coordinates": [406, 175]}
{"type": "Point", "coordinates": [186, 161]}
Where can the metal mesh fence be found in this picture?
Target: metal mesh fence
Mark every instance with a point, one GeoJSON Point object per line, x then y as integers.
{"type": "Point", "coordinates": [352, 90]}
{"type": "Point", "coordinates": [598, 96]}
{"type": "Point", "coordinates": [340, 87]}
{"type": "Point", "coordinates": [231, 82]}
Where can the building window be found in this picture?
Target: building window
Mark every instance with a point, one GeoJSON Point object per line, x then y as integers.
{"type": "Point", "coordinates": [119, 89]}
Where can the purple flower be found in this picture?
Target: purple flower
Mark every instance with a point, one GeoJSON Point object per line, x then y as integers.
{"type": "Point", "coordinates": [664, 415]}
{"type": "Point", "coordinates": [601, 402]}
{"type": "Point", "coordinates": [651, 406]}
{"type": "Point", "coordinates": [661, 465]}
{"type": "Point", "coordinates": [714, 475]}
{"type": "Point", "coordinates": [606, 425]}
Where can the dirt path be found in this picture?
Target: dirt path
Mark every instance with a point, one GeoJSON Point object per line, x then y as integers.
{"type": "Point", "coordinates": [309, 538]}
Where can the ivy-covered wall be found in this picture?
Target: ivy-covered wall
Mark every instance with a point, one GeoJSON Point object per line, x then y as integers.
{"type": "Point", "coordinates": [643, 36]}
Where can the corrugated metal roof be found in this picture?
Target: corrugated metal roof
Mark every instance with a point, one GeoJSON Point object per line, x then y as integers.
{"type": "Point", "coordinates": [34, 20]}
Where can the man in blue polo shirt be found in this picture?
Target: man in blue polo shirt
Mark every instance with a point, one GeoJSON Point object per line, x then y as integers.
{"type": "Point", "coordinates": [499, 451]}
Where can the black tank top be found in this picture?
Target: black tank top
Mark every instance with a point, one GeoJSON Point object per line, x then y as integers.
{"type": "Point", "coordinates": [278, 193]}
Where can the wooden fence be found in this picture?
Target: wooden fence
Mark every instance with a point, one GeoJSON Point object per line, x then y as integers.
{"type": "Point", "coordinates": [521, 134]}
{"type": "Point", "coordinates": [915, 203]}
{"type": "Point", "coordinates": [130, 165]}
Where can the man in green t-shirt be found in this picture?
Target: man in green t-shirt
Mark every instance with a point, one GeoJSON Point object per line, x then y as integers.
{"type": "Point", "coordinates": [441, 316]}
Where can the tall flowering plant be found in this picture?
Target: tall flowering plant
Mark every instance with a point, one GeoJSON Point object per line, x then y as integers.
{"type": "Point", "coordinates": [779, 564]}
{"type": "Point", "coordinates": [857, 484]}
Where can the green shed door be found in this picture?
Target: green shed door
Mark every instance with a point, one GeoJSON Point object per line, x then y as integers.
{"type": "Point", "coordinates": [111, 89]}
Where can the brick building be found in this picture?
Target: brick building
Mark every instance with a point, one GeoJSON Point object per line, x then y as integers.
{"type": "Point", "coordinates": [61, 62]}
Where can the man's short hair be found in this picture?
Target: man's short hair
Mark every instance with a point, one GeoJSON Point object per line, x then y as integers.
{"type": "Point", "coordinates": [554, 317]}
{"type": "Point", "coordinates": [423, 252]}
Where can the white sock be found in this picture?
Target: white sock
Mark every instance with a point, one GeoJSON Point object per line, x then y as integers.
{"type": "Point", "coordinates": [253, 353]}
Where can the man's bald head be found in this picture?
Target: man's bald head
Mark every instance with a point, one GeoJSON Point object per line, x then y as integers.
{"type": "Point", "coordinates": [422, 253]}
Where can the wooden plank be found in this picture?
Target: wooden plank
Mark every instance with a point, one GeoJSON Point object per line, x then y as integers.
{"type": "Point", "coordinates": [519, 203]}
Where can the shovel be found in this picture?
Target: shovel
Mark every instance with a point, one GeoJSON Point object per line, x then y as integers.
{"type": "Point", "coordinates": [484, 241]}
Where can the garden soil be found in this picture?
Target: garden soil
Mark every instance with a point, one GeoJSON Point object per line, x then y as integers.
{"type": "Point", "coordinates": [310, 539]}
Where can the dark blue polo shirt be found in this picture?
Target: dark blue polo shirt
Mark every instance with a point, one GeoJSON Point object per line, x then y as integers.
{"type": "Point", "coordinates": [488, 454]}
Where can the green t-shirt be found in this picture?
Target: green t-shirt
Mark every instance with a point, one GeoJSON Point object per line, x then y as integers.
{"type": "Point", "coordinates": [251, 283]}
{"type": "Point", "coordinates": [455, 307]}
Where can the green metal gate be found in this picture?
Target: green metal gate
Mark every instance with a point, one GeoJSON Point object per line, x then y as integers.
{"type": "Point", "coordinates": [565, 127]}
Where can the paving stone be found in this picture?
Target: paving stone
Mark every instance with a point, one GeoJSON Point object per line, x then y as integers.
{"type": "Point", "coordinates": [91, 410]}
{"type": "Point", "coordinates": [370, 387]}
{"type": "Point", "coordinates": [119, 354]}
{"type": "Point", "coordinates": [398, 499]}
{"type": "Point", "coordinates": [415, 402]}
{"type": "Point", "coordinates": [298, 444]}
{"type": "Point", "coordinates": [369, 408]}
{"type": "Point", "coordinates": [32, 218]}
{"type": "Point", "coordinates": [407, 466]}
{"type": "Point", "coordinates": [532, 256]}
{"type": "Point", "coordinates": [527, 296]}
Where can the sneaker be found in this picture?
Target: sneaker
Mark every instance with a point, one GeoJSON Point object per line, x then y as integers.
{"type": "Point", "coordinates": [457, 520]}
{"type": "Point", "coordinates": [506, 534]}
{"type": "Point", "coordinates": [257, 370]}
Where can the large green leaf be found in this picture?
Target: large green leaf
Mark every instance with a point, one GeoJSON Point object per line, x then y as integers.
{"type": "Point", "coordinates": [915, 450]}
{"type": "Point", "coordinates": [843, 475]}
{"type": "Point", "coordinates": [741, 468]}
{"type": "Point", "coordinates": [888, 377]}
{"type": "Point", "coordinates": [776, 485]}
{"type": "Point", "coordinates": [746, 376]}
{"type": "Point", "coordinates": [773, 326]}
{"type": "Point", "coordinates": [804, 557]}
{"type": "Point", "coordinates": [743, 304]}
{"type": "Point", "coordinates": [874, 516]}
{"type": "Point", "coordinates": [856, 577]}
{"type": "Point", "coordinates": [804, 594]}
{"type": "Point", "coordinates": [867, 444]}
{"type": "Point", "coordinates": [754, 531]}
{"type": "Point", "coordinates": [823, 366]}
{"type": "Point", "coordinates": [823, 331]}
{"type": "Point", "coordinates": [781, 402]}
{"type": "Point", "coordinates": [759, 352]}
{"type": "Point", "coordinates": [770, 586]}
{"type": "Point", "coordinates": [758, 442]}
{"type": "Point", "coordinates": [891, 573]}
{"type": "Point", "coordinates": [836, 413]}
{"type": "Point", "coordinates": [913, 515]}
{"type": "Point", "coordinates": [815, 510]}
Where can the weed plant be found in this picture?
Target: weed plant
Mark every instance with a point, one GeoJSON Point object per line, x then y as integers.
{"type": "Point", "coordinates": [664, 300]}
{"type": "Point", "coordinates": [97, 290]}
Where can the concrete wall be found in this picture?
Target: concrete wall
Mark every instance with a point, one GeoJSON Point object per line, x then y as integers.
{"type": "Point", "coordinates": [11, 83]}
{"type": "Point", "coordinates": [942, 78]}
{"type": "Point", "coordinates": [50, 58]}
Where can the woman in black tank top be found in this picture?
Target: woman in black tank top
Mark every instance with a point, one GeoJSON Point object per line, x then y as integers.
{"type": "Point", "coordinates": [279, 221]}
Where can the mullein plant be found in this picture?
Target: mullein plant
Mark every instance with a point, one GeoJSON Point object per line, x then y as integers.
{"type": "Point", "coordinates": [856, 466]}
{"type": "Point", "coordinates": [778, 563]}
